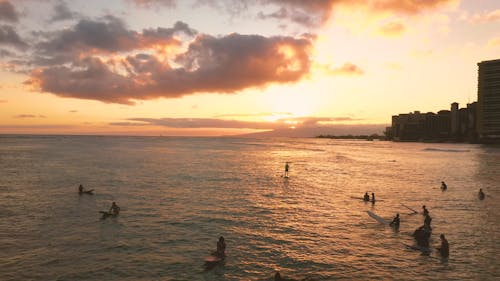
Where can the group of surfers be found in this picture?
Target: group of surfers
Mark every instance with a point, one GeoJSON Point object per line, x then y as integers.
{"type": "Point", "coordinates": [114, 210]}
{"type": "Point", "coordinates": [423, 233]}
{"type": "Point", "coordinates": [366, 197]}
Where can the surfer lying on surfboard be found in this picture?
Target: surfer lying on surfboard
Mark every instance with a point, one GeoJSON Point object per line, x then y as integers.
{"type": "Point", "coordinates": [82, 190]}
{"type": "Point", "coordinates": [113, 211]}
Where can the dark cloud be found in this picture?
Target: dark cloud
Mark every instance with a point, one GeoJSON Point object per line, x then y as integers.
{"type": "Point", "coordinates": [324, 7]}
{"type": "Point", "coordinates": [151, 3]}
{"type": "Point", "coordinates": [308, 13]}
{"type": "Point", "coordinates": [29, 116]}
{"type": "Point", "coordinates": [5, 53]}
{"type": "Point", "coordinates": [62, 12]}
{"type": "Point", "coordinates": [210, 64]}
{"type": "Point", "coordinates": [8, 12]}
{"type": "Point", "coordinates": [9, 37]}
{"type": "Point", "coordinates": [299, 17]}
{"type": "Point", "coordinates": [88, 35]}
{"type": "Point", "coordinates": [190, 123]}
{"type": "Point", "coordinates": [196, 123]}
{"type": "Point", "coordinates": [3, 101]}
{"type": "Point", "coordinates": [314, 121]}
{"type": "Point", "coordinates": [313, 13]}
{"type": "Point", "coordinates": [254, 115]}
{"type": "Point", "coordinates": [73, 111]}
{"type": "Point", "coordinates": [104, 37]}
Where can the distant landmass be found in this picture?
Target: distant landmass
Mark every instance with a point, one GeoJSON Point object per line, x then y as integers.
{"type": "Point", "coordinates": [332, 130]}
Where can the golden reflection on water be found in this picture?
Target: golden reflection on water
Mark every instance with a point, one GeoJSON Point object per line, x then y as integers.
{"type": "Point", "coordinates": [178, 195]}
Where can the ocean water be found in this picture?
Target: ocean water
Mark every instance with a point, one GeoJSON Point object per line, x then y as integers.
{"type": "Point", "coordinates": [178, 195]}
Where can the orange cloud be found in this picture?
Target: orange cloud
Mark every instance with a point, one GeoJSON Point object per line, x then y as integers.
{"type": "Point", "coordinates": [346, 69]}
{"type": "Point", "coordinates": [486, 17]}
{"type": "Point", "coordinates": [410, 7]}
{"type": "Point", "coordinates": [494, 42]}
{"type": "Point", "coordinates": [392, 29]}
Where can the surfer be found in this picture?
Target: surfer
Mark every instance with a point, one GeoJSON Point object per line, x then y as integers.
{"type": "Point", "coordinates": [425, 212]}
{"type": "Point", "coordinates": [366, 197]}
{"type": "Point", "coordinates": [427, 222]}
{"type": "Point", "coordinates": [287, 167]}
{"type": "Point", "coordinates": [422, 236]}
{"type": "Point", "coordinates": [395, 221]}
{"type": "Point", "coordinates": [82, 190]}
{"type": "Point", "coordinates": [481, 194]}
{"type": "Point", "coordinates": [114, 210]}
{"type": "Point", "coordinates": [373, 197]}
{"type": "Point", "coordinates": [443, 186]}
{"type": "Point", "coordinates": [444, 250]}
{"type": "Point", "coordinates": [221, 248]}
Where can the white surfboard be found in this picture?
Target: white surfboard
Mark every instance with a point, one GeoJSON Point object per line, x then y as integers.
{"type": "Point", "coordinates": [377, 218]}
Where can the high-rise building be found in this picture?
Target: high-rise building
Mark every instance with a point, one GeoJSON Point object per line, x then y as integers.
{"type": "Point", "coordinates": [455, 119]}
{"type": "Point", "coordinates": [488, 101]}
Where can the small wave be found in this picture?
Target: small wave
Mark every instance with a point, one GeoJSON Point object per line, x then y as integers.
{"type": "Point", "coordinates": [446, 150]}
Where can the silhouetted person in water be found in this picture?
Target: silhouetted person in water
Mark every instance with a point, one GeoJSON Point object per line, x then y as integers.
{"type": "Point", "coordinates": [395, 221]}
{"type": "Point", "coordinates": [366, 197]}
{"type": "Point", "coordinates": [425, 212]}
{"type": "Point", "coordinates": [444, 250]}
{"type": "Point", "coordinates": [221, 248]}
{"type": "Point", "coordinates": [373, 197]}
{"type": "Point", "coordinates": [443, 186]}
{"type": "Point", "coordinates": [481, 194]}
{"type": "Point", "coordinates": [114, 210]}
{"type": "Point", "coordinates": [427, 222]}
{"type": "Point", "coordinates": [287, 167]}
{"type": "Point", "coordinates": [422, 236]}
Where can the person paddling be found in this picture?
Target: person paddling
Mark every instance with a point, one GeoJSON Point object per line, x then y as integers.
{"type": "Point", "coordinates": [395, 222]}
{"type": "Point", "coordinates": [444, 250]}
{"type": "Point", "coordinates": [373, 197]}
{"type": "Point", "coordinates": [81, 189]}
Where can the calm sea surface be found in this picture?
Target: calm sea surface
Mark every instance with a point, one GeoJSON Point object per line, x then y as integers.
{"type": "Point", "coordinates": [178, 195]}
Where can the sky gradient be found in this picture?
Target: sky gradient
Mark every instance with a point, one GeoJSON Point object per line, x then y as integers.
{"type": "Point", "coordinates": [203, 67]}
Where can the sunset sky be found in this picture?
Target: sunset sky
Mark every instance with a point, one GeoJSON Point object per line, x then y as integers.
{"type": "Point", "coordinates": [219, 67]}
